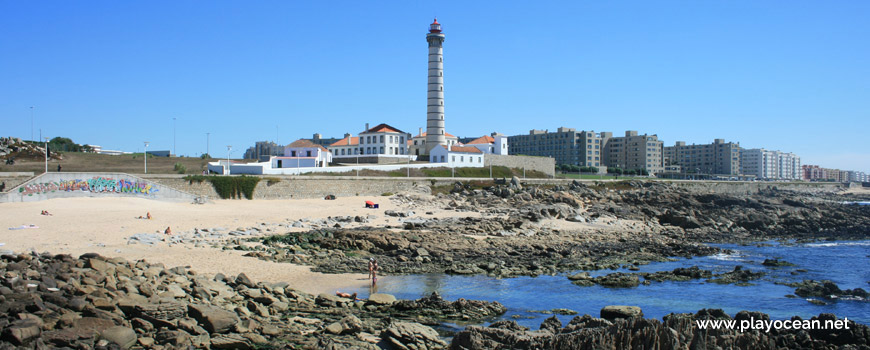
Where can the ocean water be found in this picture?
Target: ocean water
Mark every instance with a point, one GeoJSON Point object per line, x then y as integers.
{"type": "Point", "coordinates": [846, 263]}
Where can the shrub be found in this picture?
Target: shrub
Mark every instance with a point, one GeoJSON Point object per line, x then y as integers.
{"type": "Point", "coordinates": [272, 180]}
{"type": "Point", "coordinates": [229, 187]}
{"type": "Point", "coordinates": [387, 194]}
{"type": "Point", "coordinates": [180, 168]}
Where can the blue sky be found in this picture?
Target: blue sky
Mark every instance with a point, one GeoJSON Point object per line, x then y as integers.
{"type": "Point", "coordinates": [786, 75]}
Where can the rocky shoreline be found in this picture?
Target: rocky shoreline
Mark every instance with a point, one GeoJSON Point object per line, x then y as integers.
{"type": "Point", "coordinates": [92, 302]}
{"type": "Point", "coordinates": [529, 231]}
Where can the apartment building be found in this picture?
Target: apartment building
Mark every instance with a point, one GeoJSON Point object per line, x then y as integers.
{"type": "Point", "coordinates": [770, 165]}
{"type": "Point", "coordinates": [717, 158]}
{"type": "Point", "coordinates": [634, 151]}
{"type": "Point", "coordinates": [264, 149]}
{"type": "Point", "coordinates": [565, 145]}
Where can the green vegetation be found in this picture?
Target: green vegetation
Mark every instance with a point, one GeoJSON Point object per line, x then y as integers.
{"type": "Point", "coordinates": [180, 168]}
{"type": "Point", "coordinates": [570, 168]}
{"type": "Point", "coordinates": [497, 171]}
{"type": "Point", "coordinates": [229, 187]}
{"type": "Point", "coordinates": [272, 180]}
{"type": "Point", "coordinates": [64, 144]}
{"type": "Point", "coordinates": [387, 194]}
{"type": "Point", "coordinates": [587, 176]}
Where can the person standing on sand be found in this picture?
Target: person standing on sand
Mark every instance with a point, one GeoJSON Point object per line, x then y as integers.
{"type": "Point", "coordinates": [168, 230]}
{"type": "Point", "coordinates": [371, 267]}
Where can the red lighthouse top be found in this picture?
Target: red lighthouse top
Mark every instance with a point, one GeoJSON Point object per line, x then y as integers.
{"type": "Point", "coordinates": [435, 27]}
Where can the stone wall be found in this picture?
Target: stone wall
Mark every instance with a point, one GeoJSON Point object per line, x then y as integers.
{"type": "Point", "coordinates": [545, 165]}
{"type": "Point", "coordinates": [71, 185]}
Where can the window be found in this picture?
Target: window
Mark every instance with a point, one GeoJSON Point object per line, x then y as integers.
{"type": "Point", "coordinates": [342, 151]}
{"type": "Point", "coordinates": [480, 159]}
{"type": "Point", "coordinates": [415, 142]}
{"type": "Point", "coordinates": [382, 148]}
{"type": "Point", "coordinates": [308, 153]}
{"type": "Point", "coordinates": [452, 158]}
{"type": "Point", "coordinates": [292, 153]}
{"type": "Point", "coordinates": [442, 159]}
{"type": "Point", "coordinates": [461, 159]}
{"type": "Point", "coordinates": [382, 141]}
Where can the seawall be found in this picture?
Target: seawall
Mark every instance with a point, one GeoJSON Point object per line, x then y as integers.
{"type": "Point", "coordinates": [71, 185]}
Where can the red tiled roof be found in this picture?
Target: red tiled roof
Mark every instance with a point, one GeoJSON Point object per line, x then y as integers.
{"type": "Point", "coordinates": [347, 141]}
{"type": "Point", "coordinates": [303, 143]}
{"type": "Point", "coordinates": [383, 127]}
{"type": "Point", "coordinates": [465, 149]}
{"type": "Point", "coordinates": [482, 140]}
{"type": "Point", "coordinates": [445, 134]}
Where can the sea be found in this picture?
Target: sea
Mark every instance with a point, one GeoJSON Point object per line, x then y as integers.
{"type": "Point", "coordinates": [530, 300]}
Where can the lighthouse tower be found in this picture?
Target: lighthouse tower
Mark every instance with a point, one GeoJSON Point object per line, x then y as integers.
{"type": "Point", "coordinates": [435, 102]}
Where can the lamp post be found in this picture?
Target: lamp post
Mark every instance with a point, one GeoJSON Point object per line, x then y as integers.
{"type": "Point", "coordinates": [228, 159]}
{"type": "Point", "coordinates": [46, 154]}
{"type": "Point", "coordinates": [31, 123]}
{"type": "Point", "coordinates": [146, 157]}
{"type": "Point", "coordinates": [173, 137]}
{"type": "Point", "coordinates": [207, 137]}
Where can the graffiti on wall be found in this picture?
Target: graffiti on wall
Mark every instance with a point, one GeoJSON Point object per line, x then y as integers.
{"type": "Point", "coordinates": [97, 184]}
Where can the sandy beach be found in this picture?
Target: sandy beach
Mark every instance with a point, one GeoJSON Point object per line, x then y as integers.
{"type": "Point", "coordinates": [102, 225]}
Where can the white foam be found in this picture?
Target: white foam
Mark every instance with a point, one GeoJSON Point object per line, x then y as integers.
{"type": "Point", "coordinates": [726, 257]}
{"type": "Point", "coordinates": [838, 244]}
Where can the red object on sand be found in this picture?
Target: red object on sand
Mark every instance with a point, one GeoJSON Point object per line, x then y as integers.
{"type": "Point", "coordinates": [370, 203]}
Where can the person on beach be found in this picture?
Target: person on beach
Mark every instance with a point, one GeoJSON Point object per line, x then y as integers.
{"type": "Point", "coordinates": [45, 212]}
{"type": "Point", "coordinates": [148, 215]}
{"type": "Point", "coordinates": [371, 267]}
{"type": "Point", "coordinates": [168, 230]}
{"type": "Point", "coordinates": [346, 295]}
{"type": "Point", "coordinates": [374, 272]}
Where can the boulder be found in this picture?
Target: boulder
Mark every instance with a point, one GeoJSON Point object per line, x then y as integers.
{"type": "Point", "coordinates": [213, 319]}
{"type": "Point", "coordinates": [122, 336]}
{"type": "Point", "coordinates": [407, 335]}
{"type": "Point", "coordinates": [613, 312]}
{"type": "Point", "coordinates": [381, 299]}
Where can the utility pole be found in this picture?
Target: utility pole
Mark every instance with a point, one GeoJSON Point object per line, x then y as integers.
{"type": "Point", "coordinates": [31, 123]}
{"type": "Point", "coordinates": [207, 137]}
{"type": "Point", "coordinates": [146, 157]}
{"type": "Point", "coordinates": [46, 154]}
{"type": "Point", "coordinates": [228, 158]}
{"type": "Point", "coordinates": [173, 137]}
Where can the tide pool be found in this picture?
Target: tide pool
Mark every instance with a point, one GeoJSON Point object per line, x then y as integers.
{"type": "Point", "coordinates": [846, 263]}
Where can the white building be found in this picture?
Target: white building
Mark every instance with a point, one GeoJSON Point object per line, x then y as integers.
{"type": "Point", "coordinates": [465, 157]}
{"type": "Point", "coordinates": [303, 154]}
{"type": "Point", "coordinates": [770, 165]}
{"type": "Point", "coordinates": [383, 139]}
{"type": "Point", "coordinates": [495, 144]}
{"type": "Point", "coordinates": [348, 146]}
{"type": "Point", "coordinates": [417, 144]}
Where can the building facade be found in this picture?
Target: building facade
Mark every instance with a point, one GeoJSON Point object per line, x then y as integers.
{"type": "Point", "coordinates": [383, 140]}
{"type": "Point", "coordinates": [770, 165]}
{"type": "Point", "coordinates": [634, 151]}
{"type": "Point", "coordinates": [717, 158]}
{"type": "Point", "coordinates": [566, 146]}
{"type": "Point", "coordinates": [495, 143]}
{"type": "Point", "coordinates": [302, 154]}
{"type": "Point", "coordinates": [457, 156]}
{"type": "Point", "coordinates": [435, 134]}
{"type": "Point", "coordinates": [348, 146]}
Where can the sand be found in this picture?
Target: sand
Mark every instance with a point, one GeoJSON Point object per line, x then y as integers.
{"type": "Point", "coordinates": [102, 225]}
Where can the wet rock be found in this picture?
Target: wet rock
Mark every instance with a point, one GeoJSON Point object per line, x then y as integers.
{"type": "Point", "coordinates": [122, 336]}
{"type": "Point", "coordinates": [213, 319]}
{"type": "Point", "coordinates": [381, 299]}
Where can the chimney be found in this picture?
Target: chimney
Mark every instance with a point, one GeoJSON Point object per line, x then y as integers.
{"type": "Point", "coordinates": [346, 135]}
{"type": "Point", "coordinates": [421, 131]}
{"type": "Point", "coordinates": [367, 126]}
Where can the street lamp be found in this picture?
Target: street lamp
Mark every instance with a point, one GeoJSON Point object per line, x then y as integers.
{"type": "Point", "coordinates": [207, 137]}
{"type": "Point", "coordinates": [46, 154]}
{"type": "Point", "coordinates": [31, 123]}
{"type": "Point", "coordinates": [173, 137]}
{"type": "Point", "coordinates": [228, 158]}
{"type": "Point", "coordinates": [146, 157]}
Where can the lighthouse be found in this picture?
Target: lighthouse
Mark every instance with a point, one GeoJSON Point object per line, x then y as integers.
{"type": "Point", "coordinates": [435, 96]}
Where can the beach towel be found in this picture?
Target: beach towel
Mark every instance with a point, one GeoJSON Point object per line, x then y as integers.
{"type": "Point", "coordinates": [24, 227]}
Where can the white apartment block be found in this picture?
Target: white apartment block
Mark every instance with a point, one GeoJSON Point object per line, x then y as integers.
{"type": "Point", "coordinates": [495, 144]}
{"type": "Point", "coordinates": [770, 165]}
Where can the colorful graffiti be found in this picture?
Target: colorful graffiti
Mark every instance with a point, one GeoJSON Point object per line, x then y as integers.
{"type": "Point", "coordinates": [96, 184]}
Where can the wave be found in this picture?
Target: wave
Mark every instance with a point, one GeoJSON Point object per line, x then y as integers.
{"type": "Point", "coordinates": [727, 257]}
{"type": "Point", "coordinates": [838, 244]}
